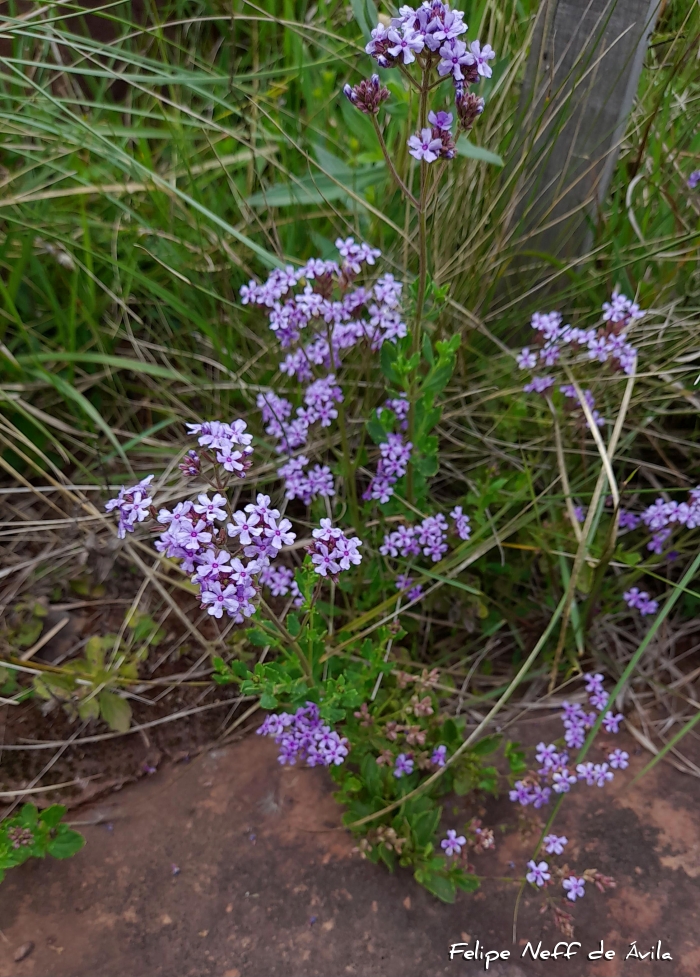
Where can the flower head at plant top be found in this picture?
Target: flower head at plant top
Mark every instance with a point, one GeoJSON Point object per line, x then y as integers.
{"type": "Point", "coordinates": [305, 737]}
{"type": "Point", "coordinates": [694, 180]}
{"type": "Point", "coordinates": [429, 37]}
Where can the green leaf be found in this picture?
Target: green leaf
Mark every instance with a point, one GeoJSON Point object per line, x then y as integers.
{"type": "Point", "coordinates": [115, 711]}
{"type": "Point", "coordinates": [66, 843]}
{"type": "Point", "coordinates": [268, 701]}
{"type": "Point", "coordinates": [319, 189]}
{"type": "Point", "coordinates": [438, 885]}
{"type": "Point", "coordinates": [471, 151]}
{"type": "Point", "coordinates": [293, 624]}
{"type": "Point", "coordinates": [358, 9]}
{"type": "Point", "coordinates": [258, 637]}
{"type": "Point", "coordinates": [466, 882]}
{"type": "Point", "coordinates": [487, 745]}
{"type": "Point", "coordinates": [52, 815]}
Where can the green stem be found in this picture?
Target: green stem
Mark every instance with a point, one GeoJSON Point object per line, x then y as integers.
{"type": "Point", "coordinates": [422, 278]}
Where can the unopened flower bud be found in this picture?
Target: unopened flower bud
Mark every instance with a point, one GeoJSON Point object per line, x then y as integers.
{"type": "Point", "coordinates": [367, 95]}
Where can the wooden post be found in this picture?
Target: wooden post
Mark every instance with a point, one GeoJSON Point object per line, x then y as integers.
{"type": "Point", "coordinates": [580, 83]}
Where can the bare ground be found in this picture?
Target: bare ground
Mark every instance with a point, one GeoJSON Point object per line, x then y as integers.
{"type": "Point", "coordinates": [233, 866]}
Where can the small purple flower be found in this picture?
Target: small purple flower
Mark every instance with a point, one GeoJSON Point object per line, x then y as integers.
{"type": "Point", "coordinates": [526, 359]}
{"type": "Point", "coordinates": [403, 765]}
{"type": "Point", "coordinates": [694, 180]}
{"type": "Point", "coordinates": [574, 888]}
{"type": "Point", "coordinates": [452, 844]}
{"type": "Point", "coordinates": [538, 873]}
{"type": "Point", "coordinates": [540, 796]}
{"type": "Point", "coordinates": [611, 722]}
{"type": "Point", "coordinates": [602, 774]}
{"type": "Point", "coordinates": [562, 781]}
{"type": "Point", "coordinates": [546, 755]}
{"type": "Point", "coordinates": [554, 844]}
{"type": "Point", "coordinates": [521, 794]}
{"type": "Point", "coordinates": [539, 385]}
{"type": "Point", "coordinates": [481, 57]}
{"type": "Point", "coordinates": [586, 772]}
{"type": "Point", "coordinates": [619, 759]}
{"type": "Point", "coordinates": [599, 699]}
{"type": "Point", "coordinates": [594, 682]}
{"type": "Point", "coordinates": [405, 45]}
{"type": "Point", "coordinates": [441, 120]}
{"type": "Point", "coordinates": [438, 757]}
{"type": "Point", "coordinates": [425, 146]}
{"type": "Point", "coordinates": [211, 509]}
{"type": "Point", "coordinates": [454, 57]}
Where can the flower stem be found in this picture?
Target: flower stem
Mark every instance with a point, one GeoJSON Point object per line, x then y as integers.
{"type": "Point", "coordinates": [422, 278]}
{"type": "Point", "coordinates": [389, 162]}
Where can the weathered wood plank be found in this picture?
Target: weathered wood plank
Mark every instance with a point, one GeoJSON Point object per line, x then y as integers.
{"type": "Point", "coordinates": [581, 80]}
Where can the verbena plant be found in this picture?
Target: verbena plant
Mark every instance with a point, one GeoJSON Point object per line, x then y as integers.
{"type": "Point", "coordinates": [193, 160]}
{"type": "Point", "coordinates": [353, 416]}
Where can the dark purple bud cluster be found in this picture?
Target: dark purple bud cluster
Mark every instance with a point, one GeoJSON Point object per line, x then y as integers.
{"type": "Point", "coordinates": [367, 95]}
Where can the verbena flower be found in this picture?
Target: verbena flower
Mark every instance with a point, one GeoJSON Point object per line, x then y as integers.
{"type": "Point", "coordinates": [574, 888]}
{"type": "Point", "coordinates": [403, 765]}
{"type": "Point", "coordinates": [132, 504]}
{"type": "Point", "coordinates": [429, 35]}
{"type": "Point", "coordinates": [452, 844]}
{"type": "Point", "coordinates": [332, 551]}
{"type": "Point", "coordinates": [619, 759]}
{"type": "Point", "coordinates": [538, 873]}
{"type": "Point", "coordinates": [554, 844]}
{"type": "Point", "coordinates": [694, 180]}
{"type": "Point", "coordinates": [425, 146]}
{"type": "Point", "coordinates": [303, 736]}
{"type": "Point", "coordinates": [438, 756]}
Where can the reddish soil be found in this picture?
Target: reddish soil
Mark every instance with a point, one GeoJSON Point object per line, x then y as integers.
{"type": "Point", "coordinates": [233, 866]}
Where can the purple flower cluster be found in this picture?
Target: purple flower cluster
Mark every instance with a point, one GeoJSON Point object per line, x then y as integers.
{"type": "Point", "coordinates": [555, 773]}
{"type": "Point", "coordinates": [332, 551]}
{"type": "Point", "coordinates": [303, 736]}
{"type": "Point", "coordinates": [226, 583]}
{"type": "Point", "coordinates": [405, 582]}
{"type": "Point", "coordinates": [639, 599]}
{"type": "Point", "coordinates": [395, 456]}
{"type": "Point", "coordinates": [428, 537]}
{"type": "Point", "coordinates": [317, 315]}
{"type": "Point", "coordinates": [606, 344]}
{"type": "Point", "coordinates": [133, 505]}
{"type": "Point", "coordinates": [430, 35]}
{"type": "Point", "coordinates": [694, 180]}
{"type": "Point", "coordinates": [662, 518]}
{"type": "Point", "coordinates": [224, 551]}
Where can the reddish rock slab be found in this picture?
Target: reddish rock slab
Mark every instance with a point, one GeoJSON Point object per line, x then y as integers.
{"type": "Point", "coordinates": [233, 866]}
